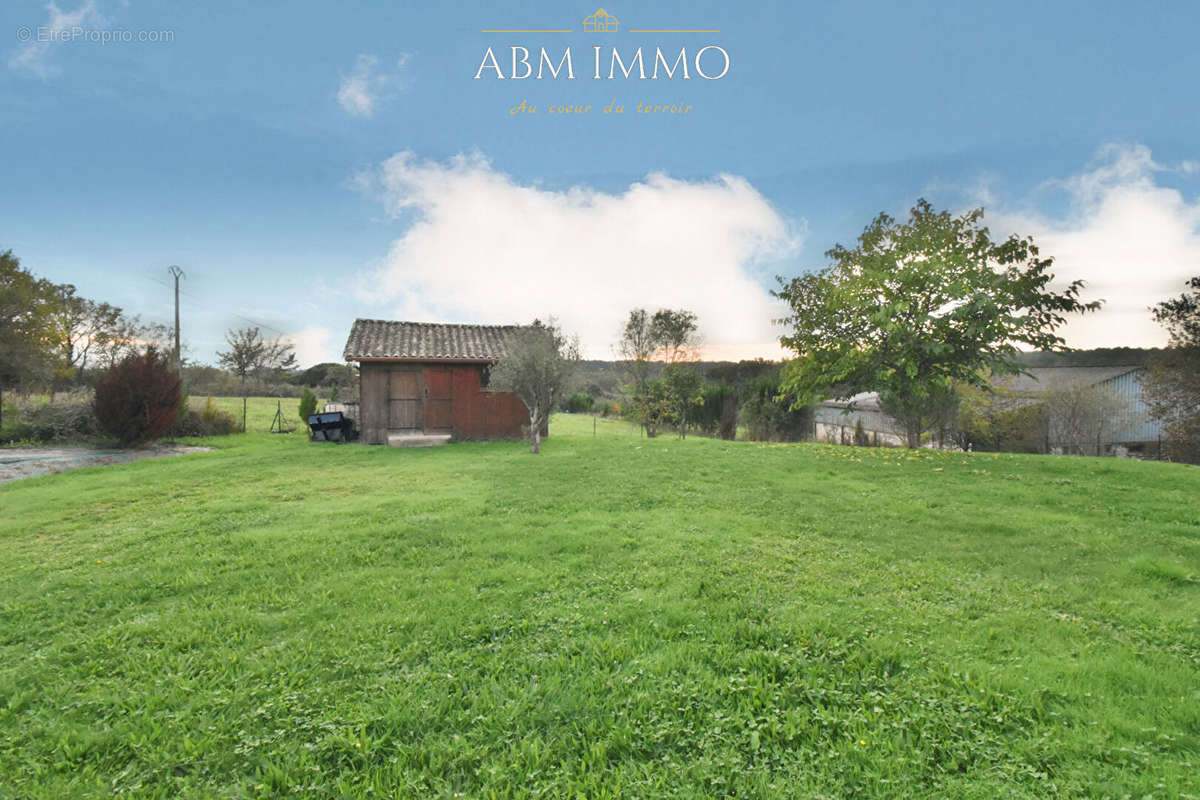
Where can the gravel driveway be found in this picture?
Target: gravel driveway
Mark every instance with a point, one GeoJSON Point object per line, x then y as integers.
{"type": "Point", "coordinates": [26, 462]}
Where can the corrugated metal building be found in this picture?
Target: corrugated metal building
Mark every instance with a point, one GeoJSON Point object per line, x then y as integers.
{"type": "Point", "coordinates": [420, 379]}
{"type": "Point", "coordinates": [1129, 425]}
{"type": "Point", "coordinates": [835, 421]}
{"type": "Point", "coordinates": [1134, 423]}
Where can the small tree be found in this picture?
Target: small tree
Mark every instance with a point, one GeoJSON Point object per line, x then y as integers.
{"type": "Point", "coordinates": [683, 386]}
{"type": "Point", "coordinates": [537, 367]}
{"type": "Point", "coordinates": [650, 407]}
{"type": "Point", "coordinates": [729, 414]}
{"type": "Point", "coordinates": [860, 435]}
{"type": "Point", "coordinates": [636, 346]}
{"type": "Point", "coordinates": [138, 398]}
{"type": "Point", "coordinates": [675, 335]}
{"type": "Point", "coordinates": [308, 404]}
{"type": "Point", "coordinates": [672, 336]}
{"type": "Point", "coordinates": [250, 354]}
{"type": "Point", "coordinates": [1172, 381]}
{"type": "Point", "coordinates": [1079, 419]}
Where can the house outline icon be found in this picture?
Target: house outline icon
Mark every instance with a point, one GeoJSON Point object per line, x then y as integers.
{"type": "Point", "coordinates": [600, 22]}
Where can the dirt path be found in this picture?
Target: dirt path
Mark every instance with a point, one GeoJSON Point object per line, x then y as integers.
{"type": "Point", "coordinates": [26, 462]}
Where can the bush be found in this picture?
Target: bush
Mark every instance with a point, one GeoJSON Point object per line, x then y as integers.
{"type": "Point", "coordinates": [55, 422]}
{"type": "Point", "coordinates": [650, 407]}
{"type": "Point", "coordinates": [770, 419]}
{"type": "Point", "coordinates": [580, 403]}
{"type": "Point", "coordinates": [308, 404]}
{"type": "Point", "coordinates": [718, 412]}
{"type": "Point", "coordinates": [989, 421]}
{"type": "Point", "coordinates": [860, 436]}
{"type": "Point", "coordinates": [139, 398]}
{"type": "Point", "coordinates": [727, 429]}
{"type": "Point", "coordinates": [211, 421]}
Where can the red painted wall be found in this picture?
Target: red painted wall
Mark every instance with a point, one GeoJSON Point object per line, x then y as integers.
{"type": "Point", "coordinates": [473, 413]}
{"type": "Point", "coordinates": [480, 414]}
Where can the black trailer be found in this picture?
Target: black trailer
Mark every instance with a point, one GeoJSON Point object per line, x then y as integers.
{"type": "Point", "coordinates": [331, 426]}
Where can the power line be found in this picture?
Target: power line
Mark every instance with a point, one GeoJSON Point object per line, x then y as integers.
{"type": "Point", "coordinates": [247, 320]}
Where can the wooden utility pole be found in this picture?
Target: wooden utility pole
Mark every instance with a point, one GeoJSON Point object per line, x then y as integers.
{"type": "Point", "coordinates": [177, 273]}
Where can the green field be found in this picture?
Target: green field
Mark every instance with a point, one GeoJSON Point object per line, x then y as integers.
{"type": "Point", "coordinates": [260, 411]}
{"type": "Point", "coordinates": [619, 617]}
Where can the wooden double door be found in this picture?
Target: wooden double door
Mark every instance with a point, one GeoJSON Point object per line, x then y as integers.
{"type": "Point", "coordinates": [421, 400]}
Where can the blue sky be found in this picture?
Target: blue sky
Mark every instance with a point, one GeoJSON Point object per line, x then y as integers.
{"type": "Point", "coordinates": [309, 163]}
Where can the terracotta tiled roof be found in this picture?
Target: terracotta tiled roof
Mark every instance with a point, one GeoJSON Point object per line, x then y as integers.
{"type": "Point", "coordinates": [381, 338]}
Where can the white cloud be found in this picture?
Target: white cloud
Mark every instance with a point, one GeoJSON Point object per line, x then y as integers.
{"type": "Point", "coordinates": [359, 92]}
{"type": "Point", "coordinates": [314, 345]}
{"type": "Point", "coordinates": [1133, 241]}
{"type": "Point", "coordinates": [31, 56]}
{"type": "Point", "coordinates": [482, 247]}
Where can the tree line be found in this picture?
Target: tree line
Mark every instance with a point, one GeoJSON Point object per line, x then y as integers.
{"type": "Point", "coordinates": [931, 310]}
{"type": "Point", "coordinates": [931, 314]}
{"type": "Point", "coordinates": [928, 313]}
{"type": "Point", "coordinates": [54, 340]}
{"type": "Point", "coordinates": [50, 335]}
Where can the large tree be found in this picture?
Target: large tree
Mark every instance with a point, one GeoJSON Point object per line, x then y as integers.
{"type": "Point", "coordinates": [915, 307]}
{"type": "Point", "coordinates": [125, 337]}
{"type": "Point", "coordinates": [82, 328]}
{"type": "Point", "coordinates": [26, 334]}
{"type": "Point", "coordinates": [1172, 381]}
{"type": "Point", "coordinates": [250, 354]}
{"type": "Point", "coordinates": [538, 367]}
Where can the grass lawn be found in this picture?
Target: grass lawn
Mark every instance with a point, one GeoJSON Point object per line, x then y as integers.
{"type": "Point", "coordinates": [619, 617]}
{"type": "Point", "coordinates": [260, 411]}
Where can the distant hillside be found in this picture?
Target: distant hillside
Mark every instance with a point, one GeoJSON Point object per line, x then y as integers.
{"type": "Point", "coordinates": [606, 378]}
{"type": "Point", "coordinates": [1100, 357]}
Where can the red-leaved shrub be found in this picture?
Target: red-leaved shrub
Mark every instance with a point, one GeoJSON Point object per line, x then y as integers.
{"type": "Point", "coordinates": [138, 398]}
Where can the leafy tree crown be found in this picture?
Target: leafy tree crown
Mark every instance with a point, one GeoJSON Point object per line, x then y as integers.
{"type": "Point", "coordinates": [915, 306]}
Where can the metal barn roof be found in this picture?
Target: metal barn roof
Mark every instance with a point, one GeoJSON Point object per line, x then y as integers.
{"type": "Point", "coordinates": [1043, 379]}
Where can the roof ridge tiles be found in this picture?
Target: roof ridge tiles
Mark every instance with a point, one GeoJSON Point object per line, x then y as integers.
{"type": "Point", "coordinates": [433, 341]}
